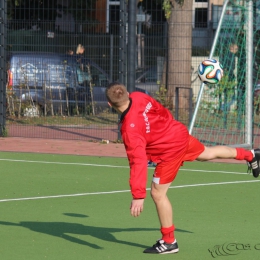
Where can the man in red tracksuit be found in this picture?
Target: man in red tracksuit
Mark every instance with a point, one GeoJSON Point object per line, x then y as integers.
{"type": "Point", "coordinates": [150, 133]}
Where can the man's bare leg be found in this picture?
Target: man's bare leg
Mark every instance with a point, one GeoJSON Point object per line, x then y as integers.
{"type": "Point", "coordinates": [225, 152]}
{"type": "Point", "coordinates": [168, 243]}
{"type": "Point", "coordinates": [162, 203]}
{"type": "Point", "coordinates": [217, 152]}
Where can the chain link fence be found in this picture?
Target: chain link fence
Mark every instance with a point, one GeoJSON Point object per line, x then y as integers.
{"type": "Point", "coordinates": [58, 56]}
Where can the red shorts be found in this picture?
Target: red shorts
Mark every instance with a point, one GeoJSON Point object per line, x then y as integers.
{"type": "Point", "coordinates": [165, 172]}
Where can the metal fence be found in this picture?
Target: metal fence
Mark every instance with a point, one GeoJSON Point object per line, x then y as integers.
{"type": "Point", "coordinates": [122, 41]}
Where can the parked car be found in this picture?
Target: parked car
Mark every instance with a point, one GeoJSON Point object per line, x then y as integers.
{"type": "Point", "coordinates": [56, 84]}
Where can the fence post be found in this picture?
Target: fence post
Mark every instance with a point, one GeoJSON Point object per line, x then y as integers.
{"type": "Point", "coordinates": [111, 57]}
{"type": "Point", "coordinates": [131, 57]}
{"type": "Point", "coordinates": [122, 42]}
{"type": "Point", "coordinates": [122, 50]}
{"type": "Point", "coordinates": [177, 103]}
{"type": "Point", "coordinates": [3, 21]}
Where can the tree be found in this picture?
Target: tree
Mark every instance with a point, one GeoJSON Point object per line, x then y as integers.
{"type": "Point", "coordinates": [179, 16]}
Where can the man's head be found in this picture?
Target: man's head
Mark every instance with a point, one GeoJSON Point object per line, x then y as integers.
{"type": "Point", "coordinates": [80, 49]}
{"type": "Point", "coordinates": [233, 48]}
{"type": "Point", "coordinates": [117, 95]}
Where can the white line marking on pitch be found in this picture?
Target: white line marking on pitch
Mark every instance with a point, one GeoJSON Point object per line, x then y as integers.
{"type": "Point", "coordinates": [109, 166]}
{"type": "Point", "coordinates": [123, 191]}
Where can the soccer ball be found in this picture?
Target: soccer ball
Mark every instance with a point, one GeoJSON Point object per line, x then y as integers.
{"type": "Point", "coordinates": [210, 71]}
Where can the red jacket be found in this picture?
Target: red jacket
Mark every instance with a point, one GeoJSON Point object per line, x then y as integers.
{"type": "Point", "coordinates": [149, 132]}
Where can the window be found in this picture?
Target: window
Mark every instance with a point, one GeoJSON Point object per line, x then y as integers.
{"type": "Point", "coordinates": [83, 76]}
{"type": "Point", "coordinates": [200, 14]}
{"type": "Point", "coordinates": [113, 12]}
{"type": "Point", "coordinates": [94, 75]}
{"type": "Point", "coordinates": [201, 17]}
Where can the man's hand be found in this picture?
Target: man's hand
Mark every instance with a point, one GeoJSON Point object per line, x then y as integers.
{"type": "Point", "coordinates": [136, 207]}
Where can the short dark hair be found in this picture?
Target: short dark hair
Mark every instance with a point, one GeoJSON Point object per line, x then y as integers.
{"type": "Point", "coordinates": [116, 94]}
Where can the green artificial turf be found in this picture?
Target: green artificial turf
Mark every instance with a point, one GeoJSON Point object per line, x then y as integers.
{"type": "Point", "coordinates": [65, 207]}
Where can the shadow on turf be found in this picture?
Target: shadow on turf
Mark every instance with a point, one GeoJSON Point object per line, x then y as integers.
{"type": "Point", "coordinates": [62, 229]}
{"type": "Point", "coordinates": [75, 215]}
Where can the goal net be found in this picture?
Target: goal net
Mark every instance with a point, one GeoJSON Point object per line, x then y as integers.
{"type": "Point", "coordinates": [228, 113]}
